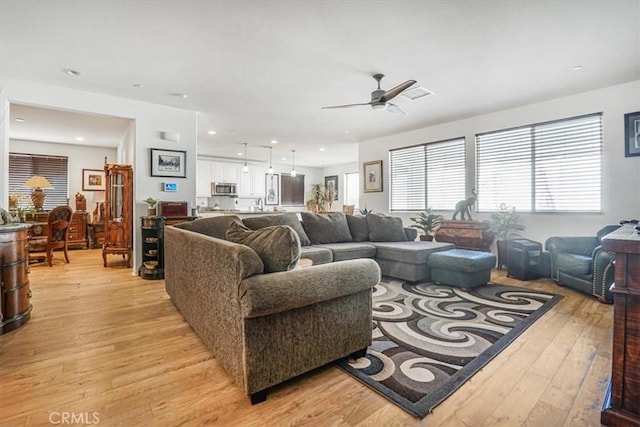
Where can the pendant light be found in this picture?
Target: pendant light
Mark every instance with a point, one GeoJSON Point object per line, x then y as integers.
{"type": "Point", "coordinates": [270, 170]}
{"type": "Point", "coordinates": [293, 162]}
{"type": "Point", "coordinates": [245, 168]}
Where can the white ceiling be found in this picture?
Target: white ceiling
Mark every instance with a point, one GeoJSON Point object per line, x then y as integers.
{"type": "Point", "coordinates": [261, 70]}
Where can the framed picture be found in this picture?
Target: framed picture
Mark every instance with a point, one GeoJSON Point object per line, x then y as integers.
{"type": "Point", "coordinates": [331, 182]}
{"type": "Point", "coordinates": [372, 176]}
{"type": "Point", "coordinates": [272, 189]}
{"type": "Point", "coordinates": [632, 134]}
{"type": "Point", "coordinates": [93, 180]}
{"type": "Point", "coordinates": [168, 163]}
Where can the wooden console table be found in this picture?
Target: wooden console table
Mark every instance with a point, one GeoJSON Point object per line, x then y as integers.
{"type": "Point", "coordinates": [466, 234]}
{"type": "Point", "coordinates": [621, 405]}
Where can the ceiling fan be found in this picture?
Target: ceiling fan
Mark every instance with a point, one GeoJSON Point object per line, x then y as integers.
{"type": "Point", "coordinates": [380, 98]}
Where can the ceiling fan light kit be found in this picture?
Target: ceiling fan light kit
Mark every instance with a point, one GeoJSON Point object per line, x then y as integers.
{"type": "Point", "coordinates": [380, 98]}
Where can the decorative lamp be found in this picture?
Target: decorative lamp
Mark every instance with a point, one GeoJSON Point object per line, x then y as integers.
{"type": "Point", "coordinates": [293, 162]}
{"type": "Point", "coordinates": [270, 170]}
{"type": "Point", "coordinates": [245, 168]}
{"type": "Point", "coordinates": [37, 196]}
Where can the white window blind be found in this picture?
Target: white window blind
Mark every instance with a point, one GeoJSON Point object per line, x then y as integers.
{"type": "Point", "coordinates": [428, 175]}
{"type": "Point", "coordinates": [54, 168]}
{"type": "Point", "coordinates": [545, 167]}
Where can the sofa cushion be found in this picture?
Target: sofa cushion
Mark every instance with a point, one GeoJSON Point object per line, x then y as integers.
{"type": "Point", "coordinates": [330, 228]}
{"type": "Point", "coordinates": [350, 250]}
{"type": "Point", "coordinates": [385, 228]}
{"type": "Point", "coordinates": [415, 252]}
{"type": "Point", "coordinates": [289, 218]}
{"type": "Point", "coordinates": [215, 226]}
{"type": "Point", "coordinates": [574, 264]}
{"type": "Point", "coordinates": [317, 254]}
{"type": "Point", "coordinates": [358, 228]}
{"type": "Point", "coordinates": [277, 246]}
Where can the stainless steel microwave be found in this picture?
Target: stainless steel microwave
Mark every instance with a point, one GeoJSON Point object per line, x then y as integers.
{"type": "Point", "coordinates": [224, 189]}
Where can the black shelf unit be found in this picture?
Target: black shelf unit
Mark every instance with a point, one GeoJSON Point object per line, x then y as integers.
{"type": "Point", "coordinates": [152, 244]}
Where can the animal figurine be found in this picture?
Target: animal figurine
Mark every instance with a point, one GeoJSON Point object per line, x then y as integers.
{"type": "Point", "coordinates": [5, 217]}
{"type": "Point", "coordinates": [463, 207]}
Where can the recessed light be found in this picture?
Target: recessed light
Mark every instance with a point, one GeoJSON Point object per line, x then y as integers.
{"type": "Point", "coordinates": [212, 132]}
{"type": "Point", "coordinates": [79, 138]}
{"type": "Point", "coordinates": [322, 149]}
{"type": "Point", "coordinates": [137, 85]}
{"type": "Point", "coordinates": [239, 153]}
{"type": "Point", "coordinates": [273, 141]}
{"type": "Point", "coordinates": [179, 95]}
{"type": "Point", "coordinates": [71, 72]}
{"type": "Point", "coordinates": [577, 68]}
{"type": "Point", "coordinates": [19, 119]}
{"type": "Point", "coordinates": [347, 131]}
{"type": "Point", "coordinates": [283, 158]}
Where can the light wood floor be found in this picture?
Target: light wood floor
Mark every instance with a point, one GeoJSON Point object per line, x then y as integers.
{"type": "Point", "coordinates": [103, 343]}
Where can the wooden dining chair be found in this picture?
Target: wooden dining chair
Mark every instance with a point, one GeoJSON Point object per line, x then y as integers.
{"type": "Point", "coordinates": [348, 209]}
{"type": "Point", "coordinates": [57, 229]}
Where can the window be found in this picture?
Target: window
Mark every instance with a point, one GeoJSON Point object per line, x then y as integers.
{"type": "Point", "coordinates": [352, 189]}
{"type": "Point", "coordinates": [546, 167]}
{"type": "Point", "coordinates": [292, 188]}
{"type": "Point", "coordinates": [428, 175]}
{"type": "Point", "coordinates": [54, 168]}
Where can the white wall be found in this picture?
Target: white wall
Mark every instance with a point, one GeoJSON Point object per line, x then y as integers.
{"type": "Point", "coordinates": [150, 120]}
{"type": "Point", "coordinates": [621, 175]}
{"type": "Point", "coordinates": [80, 157]}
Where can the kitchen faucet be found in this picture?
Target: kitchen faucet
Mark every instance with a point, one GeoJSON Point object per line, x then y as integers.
{"type": "Point", "coordinates": [260, 204]}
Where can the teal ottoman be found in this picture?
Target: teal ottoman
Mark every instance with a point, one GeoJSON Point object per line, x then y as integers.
{"type": "Point", "coordinates": [461, 268]}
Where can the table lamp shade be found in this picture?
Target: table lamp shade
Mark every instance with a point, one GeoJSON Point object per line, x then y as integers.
{"type": "Point", "coordinates": [37, 196]}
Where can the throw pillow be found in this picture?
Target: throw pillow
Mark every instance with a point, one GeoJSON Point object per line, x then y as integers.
{"type": "Point", "coordinates": [385, 228]}
{"type": "Point", "coordinates": [289, 218]}
{"type": "Point", "coordinates": [330, 228]}
{"type": "Point", "coordinates": [358, 228]}
{"type": "Point", "coordinates": [215, 226]}
{"type": "Point", "coordinates": [277, 246]}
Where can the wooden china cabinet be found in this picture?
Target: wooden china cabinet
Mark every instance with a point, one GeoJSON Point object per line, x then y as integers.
{"type": "Point", "coordinates": [118, 220]}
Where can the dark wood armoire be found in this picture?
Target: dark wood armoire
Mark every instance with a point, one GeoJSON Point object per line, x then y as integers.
{"type": "Point", "coordinates": [118, 220]}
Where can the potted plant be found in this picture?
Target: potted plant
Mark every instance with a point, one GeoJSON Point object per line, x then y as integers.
{"type": "Point", "coordinates": [318, 198]}
{"type": "Point", "coordinates": [506, 224]}
{"type": "Point", "coordinates": [151, 206]}
{"type": "Point", "coordinates": [364, 211]}
{"type": "Point", "coordinates": [428, 222]}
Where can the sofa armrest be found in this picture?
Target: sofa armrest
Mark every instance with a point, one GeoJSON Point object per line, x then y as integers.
{"type": "Point", "coordinates": [603, 273]}
{"type": "Point", "coordinates": [265, 294]}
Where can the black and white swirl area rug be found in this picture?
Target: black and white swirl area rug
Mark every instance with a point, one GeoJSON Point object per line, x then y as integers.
{"type": "Point", "coordinates": [429, 339]}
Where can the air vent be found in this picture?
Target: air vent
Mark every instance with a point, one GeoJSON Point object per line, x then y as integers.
{"type": "Point", "coordinates": [416, 92]}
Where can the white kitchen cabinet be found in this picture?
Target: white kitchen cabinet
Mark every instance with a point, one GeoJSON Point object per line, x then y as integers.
{"type": "Point", "coordinates": [251, 184]}
{"type": "Point", "coordinates": [204, 169]}
{"type": "Point", "coordinates": [225, 172]}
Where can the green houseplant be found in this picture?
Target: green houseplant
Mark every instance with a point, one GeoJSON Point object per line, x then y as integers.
{"type": "Point", "coordinates": [151, 206]}
{"type": "Point", "coordinates": [428, 222]}
{"type": "Point", "coordinates": [318, 198]}
{"type": "Point", "coordinates": [506, 224]}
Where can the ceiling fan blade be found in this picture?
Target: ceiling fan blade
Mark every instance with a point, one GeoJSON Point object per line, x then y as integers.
{"type": "Point", "coordinates": [392, 93]}
{"type": "Point", "coordinates": [344, 106]}
{"type": "Point", "coordinates": [395, 109]}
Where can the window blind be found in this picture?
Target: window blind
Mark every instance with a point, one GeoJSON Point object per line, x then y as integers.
{"type": "Point", "coordinates": [54, 168]}
{"type": "Point", "coordinates": [428, 175]}
{"type": "Point", "coordinates": [546, 167]}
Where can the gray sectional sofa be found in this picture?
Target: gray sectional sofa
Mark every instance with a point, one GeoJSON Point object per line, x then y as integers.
{"type": "Point", "coordinates": [326, 238]}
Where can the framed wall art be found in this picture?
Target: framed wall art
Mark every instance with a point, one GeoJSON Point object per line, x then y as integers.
{"type": "Point", "coordinates": [331, 183]}
{"type": "Point", "coordinates": [272, 189]}
{"type": "Point", "coordinates": [93, 180]}
{"type": "Point", "coordinates": [632, 134]}
{"type": "Point", "coordinates": [372, 176]}
{"type": "Point", "coordinates": [168, 163]}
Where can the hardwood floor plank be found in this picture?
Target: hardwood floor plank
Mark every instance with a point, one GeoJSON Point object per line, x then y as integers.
{"type": "Point", "coordinates": [103, 340]}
